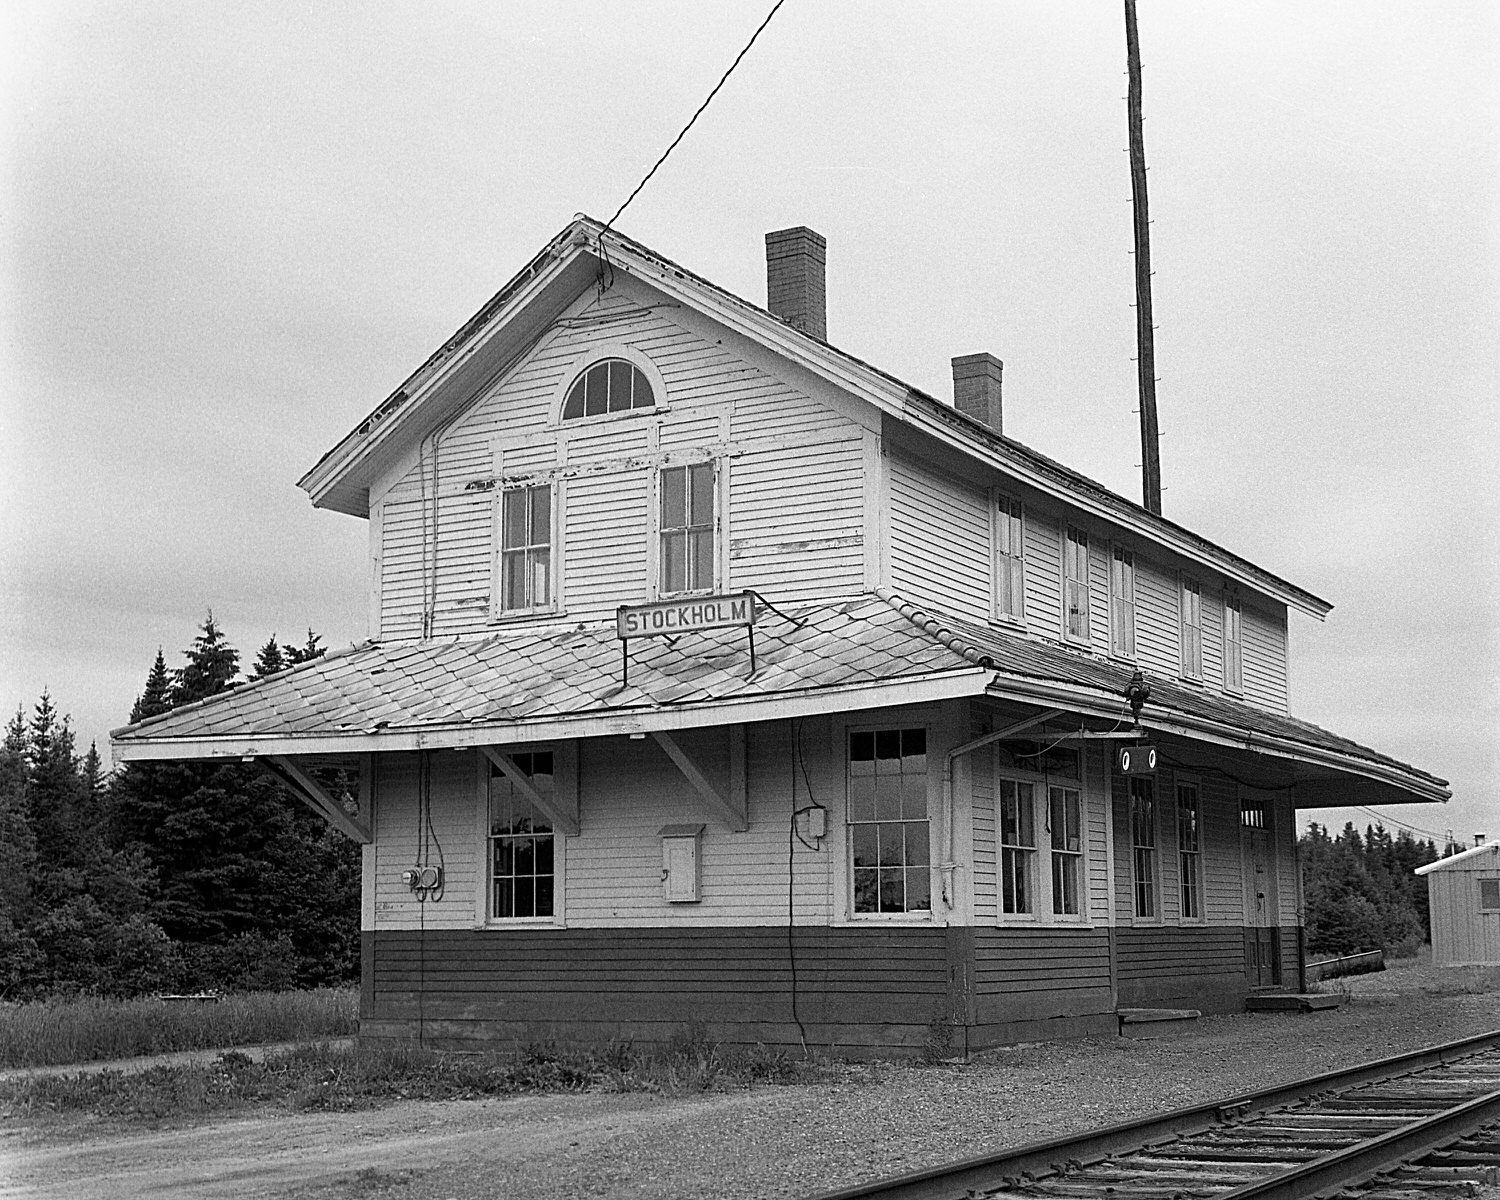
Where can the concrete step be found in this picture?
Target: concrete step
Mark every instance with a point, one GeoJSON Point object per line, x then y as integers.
{"type": "Point", "coordinates": [1292, 1001]}
{"type": "Point", "coordinates": [1156, 1022]}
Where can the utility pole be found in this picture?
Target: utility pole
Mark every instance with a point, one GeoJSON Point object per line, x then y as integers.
{"type": "Point", "coordinates": [1145, 348]}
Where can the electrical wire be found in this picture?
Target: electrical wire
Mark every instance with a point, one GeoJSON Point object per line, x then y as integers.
{"type": "Point", "coordinates": [694, 117]}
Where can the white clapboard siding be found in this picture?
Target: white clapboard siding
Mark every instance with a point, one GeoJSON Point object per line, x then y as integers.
{"type": "Point", "coordinates": [783, 545]}
{"type": "Point", "coordinates": [604, 548]}
{"type": "Point", "coordinates": [1043, 574]}
{"type": "Point", "coordinates": [985, 861]}
{"type": "Point", "coordinates": [796, 509]}
{"type": "Point", "coordinates": [629, 790]}
{"type": "Point", "coordinates": [399, 838]}
{"type": "Point", "coordinates": [1265, 657]}
{"type": "Point", "coordinates": [1096, 772]}
{"type": "Point", "coordinates": [1158, 628]}
{"type": "Point", "coordinates": [1213, 638]}
{"type": "Point", "coordinates": [1288, 902]}
{"type": "Point", "coordinates": [940, 539]}
{"type": "Point", "coordinates": [1223, 868]}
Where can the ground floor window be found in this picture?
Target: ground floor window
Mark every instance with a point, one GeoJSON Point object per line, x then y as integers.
{"type": "Point", "coordinates": [888, 826]}
{"type": "Point", "coordinates": [522, 861]}
{"type": "Point", "coordinates": [1143, 844]}
{"type": "Point", "coordinates": [1017, 846]}
{"type": "Point", "coordinates": [1065, 826]}
{"type": "Point", "coordinates": [1189, 850]}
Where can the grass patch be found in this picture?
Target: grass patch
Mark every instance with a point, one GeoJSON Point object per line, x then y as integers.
{"type": "Point", "coordinates": [323, 1077]}
{"type": "Point", "coordinates": [88, 1029]}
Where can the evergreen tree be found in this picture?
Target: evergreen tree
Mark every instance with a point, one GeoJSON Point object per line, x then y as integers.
{"type": "Point", "coordinates": [157, 698]}
{"type": "Point", "coordinates": [212, 664]}
{"type": "Point", "coordinates": [308, 651]}
{"type": "Point", "coordinates": [270, 659]}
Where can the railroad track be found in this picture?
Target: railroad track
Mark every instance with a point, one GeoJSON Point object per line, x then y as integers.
{"type": "Point", "coordinates": [1328, 1135]}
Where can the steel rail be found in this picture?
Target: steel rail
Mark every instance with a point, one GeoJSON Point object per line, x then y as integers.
{"type": "Point", "coordinates": [966, 1177]}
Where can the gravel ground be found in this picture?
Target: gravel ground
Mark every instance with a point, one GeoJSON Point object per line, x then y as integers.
{"type": "Point", "coordinates": [853, 1123]}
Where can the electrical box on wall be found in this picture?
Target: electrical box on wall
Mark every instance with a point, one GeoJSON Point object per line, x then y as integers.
{"type": "Point", "coordinates": [680, 869]}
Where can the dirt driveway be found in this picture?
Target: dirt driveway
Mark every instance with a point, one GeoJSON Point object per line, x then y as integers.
{"type": "Point", "coordinates": [854, 1123]}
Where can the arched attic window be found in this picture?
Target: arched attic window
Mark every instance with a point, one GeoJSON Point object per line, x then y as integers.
{"type": "Point", "coordinates": [608, 386]}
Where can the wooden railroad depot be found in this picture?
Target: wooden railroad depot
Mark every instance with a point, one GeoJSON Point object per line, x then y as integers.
{"type": "Point", "coordinates": [853, 776]}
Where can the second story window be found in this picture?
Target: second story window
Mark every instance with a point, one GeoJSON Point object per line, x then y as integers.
{"type": "Point", "coordinates": [525, 548]}
{"type": "Point", "coordinates": [1010, 560]}
{"type": "Point", "coordinates": [687, 528]}
{"type": "Point", "coordinates": [1192, 629]}
{"type": "Point", "coordinates": [1122, 603]}
{"type": "Point", "coordinates": [1234, 645]}
{"type": "Point", "coordinates": [1076, 585]}
{"type": "Point", "coordinates": [612, 385]}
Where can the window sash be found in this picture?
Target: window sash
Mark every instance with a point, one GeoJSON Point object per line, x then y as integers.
{"type": "Point", "coordinates": [1076, 584]}
{"type": "Point", "coordinates": [1489, 895]}
{"type": "Point", "coordinates": [1189, 850]}
{"type": "Point", "coordinates": [1065, 821]}
{"type": "Point", "coordinates": [1143, 845]}
{"type": "Point", "coordinates": [1010, 559]}
{"type": "Point", "coordinates": [1192, 629]}
{"type": "Point", "coordinates": [1122, 595]}
{"type": "Point", "coordinates": [609, 386]}
{"type": "Point", "coordinates": [522, 844]}
{"type": "Point", "coordinates": [1016, 804]}
{"type": "Point", "coordinates": [687, 528]}
{"type": "Point", "coordinates": [525, 548]}
{"type": "Point", "coordinates": [1234, 645]}
{"type": "Point", "coordinates": [889, 853]}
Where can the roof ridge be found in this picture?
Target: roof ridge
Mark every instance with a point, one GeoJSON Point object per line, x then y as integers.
{"type": "Point", "coordinates": [929, 624]}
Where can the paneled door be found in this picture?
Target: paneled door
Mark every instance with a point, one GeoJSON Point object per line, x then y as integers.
{"type": "Point", "coordinates": [1257, 842]}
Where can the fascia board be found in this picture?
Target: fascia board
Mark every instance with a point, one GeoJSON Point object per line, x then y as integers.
{"type": "Point", "coordinates": [1199, 729]}
{"type": "Point", "coordinates": [945, 685]}
{"type": "Point", "coordinates": [1461, 857]}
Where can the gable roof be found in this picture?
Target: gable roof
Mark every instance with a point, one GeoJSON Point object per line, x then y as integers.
{"type": "Point", "coordinates": [868, 652]}
{"type": "Point", "coordinates": [1465, 858]}
{"type": "Point", "coordinates": [500, 334]}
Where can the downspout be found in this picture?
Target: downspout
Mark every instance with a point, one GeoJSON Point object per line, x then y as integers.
{"type": "Point", "coordinates": [949, 850]}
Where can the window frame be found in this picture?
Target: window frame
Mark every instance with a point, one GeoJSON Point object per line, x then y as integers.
{"type": "Point", "coordinates": [1184, 867]}
{"type": "Point", "coordinates": [527, 484]}
{"type": "Point", "coordinates": [1234, 604]}
{"type": "Point", "coordinates": [1495, 886]}
{"type": "Point", "coordinates": [717, 527]}
{"type": "Point", "coordinates": [1152, 851]}
{"type": "Point", "coordinates": [487, 877]}
{"type": "Point", "coordinates": [1122, 607]}
{"type": "Point", "coordinates": [1042, 877]}
{"type": "Point", "coordinates": [1069, 582]}
{"type": "Point", "coordinates": [1017, 851]}
{"type": "Point", "coordinates": [589, 357]}
{"type": "Point", "coordinates": [934, 883]}
{"type": "Point", "coordinates": [1007, 564]}
{"type": "Point", "coordinates": [1190, 666]}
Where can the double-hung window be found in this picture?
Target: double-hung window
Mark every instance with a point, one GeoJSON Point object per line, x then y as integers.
{"type": "Point", "coordinates": [522, 862]}
{"type": "Point", "coordinates": [1010, 560]}
{"type": "Point", "coordinates": [1143, 844]}
{"type": "Point", "coordinates": [1016, 803]}
{"type": "Point", "coordinates": [1192, 629]}
{"type": "Point", "coordinates": [687, 523]}
{"type": "Point", "coordinates": [1190, 850]}
{"type": "Point", "coordinates": [1076, 584]}
{"type": "Point", "coordinates": [525, 548]}
{"type": "Point", "coordinates": [1234, 645]}
{"type": "Point", "coordinates": [888, 828]}
{"type": "Point", "coordinates": [1122, 602]}
{"type": "Point", "coordinates": [1065, 823]}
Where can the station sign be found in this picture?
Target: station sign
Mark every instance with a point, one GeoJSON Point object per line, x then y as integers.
{"type": "Point", "coordinates": [1136, 760]}
{"type": "Point", "coordinates": [685, 616]}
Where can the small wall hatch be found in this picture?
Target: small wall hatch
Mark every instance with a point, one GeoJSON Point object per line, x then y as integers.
{"type": "Point", "coordinates": [680, 869]}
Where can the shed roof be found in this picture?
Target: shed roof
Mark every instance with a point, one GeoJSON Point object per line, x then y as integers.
{"type": "Point", "coordinates": [1468, 859]}
{"type": "Point", "coordinates": [869, 651]}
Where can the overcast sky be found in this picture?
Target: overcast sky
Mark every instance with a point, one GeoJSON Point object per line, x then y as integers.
{"type": "Point", "coordinates": [229, 231]}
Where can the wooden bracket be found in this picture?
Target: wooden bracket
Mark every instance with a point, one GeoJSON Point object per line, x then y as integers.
{"type": "Point", "coordinates": [732, 809]}
{"type": "Point", "coordinates": [563, 821]}
{"type": "Point", "coordinates": [310, 792]}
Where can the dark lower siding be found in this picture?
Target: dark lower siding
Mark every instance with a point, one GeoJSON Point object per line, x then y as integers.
{"type": "Point", "coordinates": [1200, 967]}
{"type": "Point", "coordinates": [856, 988]}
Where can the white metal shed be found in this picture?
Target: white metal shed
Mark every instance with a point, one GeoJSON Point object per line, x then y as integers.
{"type": "Point", "coordinates": [1463, 892]}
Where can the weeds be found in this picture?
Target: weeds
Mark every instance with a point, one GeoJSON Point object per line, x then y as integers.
{"type": "Point", "coordinates": [48, 1032]}
{"type": "Point", "coordinates": [323, 1077]}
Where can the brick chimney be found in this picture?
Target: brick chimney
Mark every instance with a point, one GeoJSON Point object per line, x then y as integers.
{"type": "Point", "coordinates": [976, 388]}
{"type": "Point", "coordinates": [795, 292]}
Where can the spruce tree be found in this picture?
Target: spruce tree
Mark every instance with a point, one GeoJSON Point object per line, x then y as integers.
{"type": "Point", "coordinates": [157, 698]}
{"type": "Point", "coordinates": [270, 659]}
{"type": "Point", "coordinates": [212, 664]}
